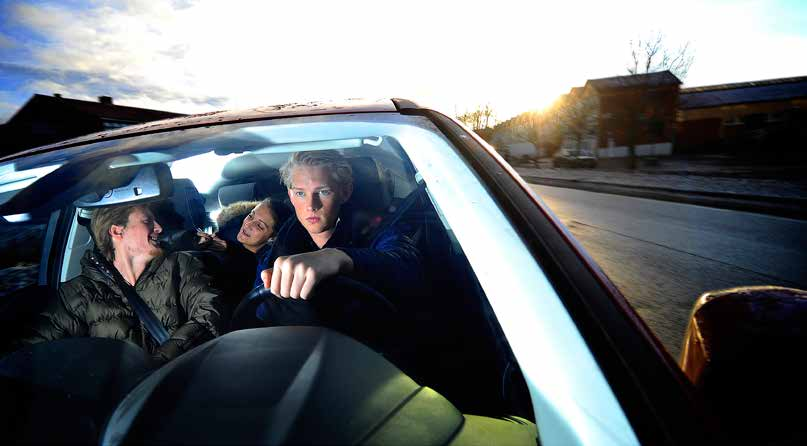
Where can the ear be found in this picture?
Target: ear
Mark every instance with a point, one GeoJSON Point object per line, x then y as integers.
{"type": "Point", "coordinates": [116, 232]}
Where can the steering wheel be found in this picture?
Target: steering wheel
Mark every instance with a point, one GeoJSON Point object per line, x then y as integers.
{"type": "Point", "coordinates": [338, 302]}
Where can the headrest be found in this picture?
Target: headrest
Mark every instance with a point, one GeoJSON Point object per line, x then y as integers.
{"type": "Point", "coordinates": [236, 192]}
{"type": "Point", "coordinates": [371, 186]}
{"type": "Point", "coordinates": [190, 204]}
{"type": "Point", "coordinates": [84, 218]}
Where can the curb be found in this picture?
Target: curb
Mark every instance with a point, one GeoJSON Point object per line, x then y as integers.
{"type": "Point", "coordinates": [778, 206]}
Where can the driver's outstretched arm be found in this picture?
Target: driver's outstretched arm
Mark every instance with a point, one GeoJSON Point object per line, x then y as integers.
{"type": "Point", "coordinates": [296, 276]}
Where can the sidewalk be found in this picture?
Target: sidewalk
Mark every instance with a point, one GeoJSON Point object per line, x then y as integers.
{"type": "Point", "coordinates": [784, 197]}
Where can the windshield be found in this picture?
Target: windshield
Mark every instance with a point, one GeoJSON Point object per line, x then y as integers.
{"type": "Point", "coordinates": [382, 199]}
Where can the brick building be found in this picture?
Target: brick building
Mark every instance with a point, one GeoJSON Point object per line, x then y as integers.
{"type": "Point", "coordinates": [760, 118]}
{"type": "Point", "coordinates": [635, 111]}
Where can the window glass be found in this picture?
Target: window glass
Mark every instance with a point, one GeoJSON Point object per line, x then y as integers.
{"type": "Point", "coordinates": [674, 206]}
{"type": "Point", "coordinates": [21, 247]}
{"type": "Point", "coordinates": [488, 322]}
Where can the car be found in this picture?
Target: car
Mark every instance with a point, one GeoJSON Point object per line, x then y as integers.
{"type": "Point", "coordinates": [567, 160]}
{"type": "Point", "coordinates": [518, 337]}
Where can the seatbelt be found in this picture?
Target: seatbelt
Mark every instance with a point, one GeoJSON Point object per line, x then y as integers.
{"type": "Point", "coordinates": [153, 325]}
{"type": "Point", "coordinates": [403, 207]}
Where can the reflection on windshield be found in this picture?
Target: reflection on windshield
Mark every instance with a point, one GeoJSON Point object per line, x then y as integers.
{"type": "Point", "coordinates": [12, 180]}
{"type": "Point", "coordinates": [203, 170]}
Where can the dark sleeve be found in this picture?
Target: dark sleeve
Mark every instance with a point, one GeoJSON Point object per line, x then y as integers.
{"type": "Point", "coordinates": [286, 243]}
{"type": "Point", "coordinates": [62, 318]}
{"type": "Point", "coordinates": [201, 302]}
{"type": "Point", "coordinates": [391, 264]}
{"type": "Point", "coordinates": [266, 261]}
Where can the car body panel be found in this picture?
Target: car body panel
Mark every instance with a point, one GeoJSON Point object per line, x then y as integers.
{"type": "Point", "coordinates": [220, 117]}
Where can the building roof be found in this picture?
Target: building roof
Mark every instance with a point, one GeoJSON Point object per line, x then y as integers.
{"type": "Point", "coordinates": [634, 80]}
{"type": "Point", "coordinates": [576, 92]}
{"type": "Point", "coordinates": [102, 110]}
{"type": "Point", "coordinates": [743, 92]}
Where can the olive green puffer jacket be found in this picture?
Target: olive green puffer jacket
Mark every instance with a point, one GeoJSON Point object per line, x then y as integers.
{"type": "Point", "coordinates": [173, 286]}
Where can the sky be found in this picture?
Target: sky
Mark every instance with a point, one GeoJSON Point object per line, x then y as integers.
{"type": "Point", "coordinates": [191, 56]}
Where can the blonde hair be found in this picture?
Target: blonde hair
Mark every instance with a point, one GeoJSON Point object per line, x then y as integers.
{"type": "Point", "coordinates": [334, 161]}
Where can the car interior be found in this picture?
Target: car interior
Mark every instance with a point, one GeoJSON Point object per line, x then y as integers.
{"type": "Point", "coordinates": [448, 340]}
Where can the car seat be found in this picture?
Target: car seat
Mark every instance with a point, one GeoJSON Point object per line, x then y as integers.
{"type": "Point", "coordinates": [236, 192]}
{"type": "Point", "coordinates": [181, 216]}
{"type": "Point", "coordinates": [371, 201]}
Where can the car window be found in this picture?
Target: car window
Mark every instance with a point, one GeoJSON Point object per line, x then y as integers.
{"type": "Point", "coordinates": [21, 245]}
{"type": "Point", "coordinates": [488, 330]}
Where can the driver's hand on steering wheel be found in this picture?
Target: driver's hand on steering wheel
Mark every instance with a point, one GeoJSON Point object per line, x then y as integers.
{"type": "Point", "coordinates": [295, 276]}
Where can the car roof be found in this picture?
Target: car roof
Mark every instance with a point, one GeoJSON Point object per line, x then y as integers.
{"type": "Point", "coordinates": [348, 106]}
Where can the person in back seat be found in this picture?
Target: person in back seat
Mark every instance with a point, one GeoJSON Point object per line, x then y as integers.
{"type": "Point", "coordinates": [173, 287]}
{"type": "Point", "coordinates": [322, 242]}
{"type": "Point", "coordinates": [245, 246]}
{"type": "Point", "coordinates": [231, 217]}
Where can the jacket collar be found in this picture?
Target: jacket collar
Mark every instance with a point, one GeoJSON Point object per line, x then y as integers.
{"type": "Point", "coordinates": [96, 267]}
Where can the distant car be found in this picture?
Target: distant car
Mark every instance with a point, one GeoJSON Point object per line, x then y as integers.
{"type": "Point", "coordinates": [519, 337]}
{"type": "Point", "coordinates": [573, 161]}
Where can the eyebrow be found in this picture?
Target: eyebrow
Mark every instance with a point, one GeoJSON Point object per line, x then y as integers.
{"type": "Point", "coordinates": [252, 213]}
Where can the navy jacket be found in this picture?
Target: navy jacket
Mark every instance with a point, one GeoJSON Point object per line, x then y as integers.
{"type": "Point", "coordinates": [387, 261]}
{"type": "Point", "coordinates": [263, 256]}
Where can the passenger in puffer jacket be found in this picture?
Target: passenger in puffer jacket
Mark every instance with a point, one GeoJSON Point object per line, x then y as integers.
{"type": "Point", "coordinates": [244, 240]}
{"type": "Point", "coordinates": [230, 218]}
{"type": "Point", "coordinates": [173, 286]}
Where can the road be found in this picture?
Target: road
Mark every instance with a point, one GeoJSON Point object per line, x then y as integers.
{"type": "Point", "coordinates": [663, 255]}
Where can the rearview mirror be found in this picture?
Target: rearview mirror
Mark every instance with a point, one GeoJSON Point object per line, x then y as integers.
{"type": "Point", "coordinates": [745, 351]}
{"type": "Point", "coordinates": [152, 182]}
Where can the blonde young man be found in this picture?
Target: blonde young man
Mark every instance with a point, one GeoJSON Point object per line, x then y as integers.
{"type": "Point", "coordinates": [321, 243]}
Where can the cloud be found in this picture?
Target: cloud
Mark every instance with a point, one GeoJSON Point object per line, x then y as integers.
{"type": "Point", "coordinates": [514, 55]}
{"type": "Point", "coordinates": [177, 51]}
{"type": "Point", "coordinates": [7, 110]}
{"type": "Point", "coordinates": [79, 84]}
{"type": "Point", "coordinates": [6, 42]}
{"type": "Point", "coordinates": [110, 49]}
{"type": "Point", "coordinates": [183, 4]}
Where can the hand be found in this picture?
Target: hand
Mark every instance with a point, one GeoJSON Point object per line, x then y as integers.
{"type": "Point", "coordinates": [211, 241]}
{"type": "Point", "coordinates": [295, 276]}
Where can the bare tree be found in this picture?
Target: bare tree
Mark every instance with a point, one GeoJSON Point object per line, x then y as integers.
{"type": "Point", "coordinates": [575, 115]}
{"type": "Point", "coordinates": [524, 127]}
{"type": "Point", "coordinates": [568, 123]}
{"type": "Point", "coordinates": [480, 118]}
{"type": "Point", "coordinates": [527, 127]}
{"type": "Point", "coordinates": [651, 54]}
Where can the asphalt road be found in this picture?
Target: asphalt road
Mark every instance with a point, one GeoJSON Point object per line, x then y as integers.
{"type": "Point", "coordinates": [663, 255]}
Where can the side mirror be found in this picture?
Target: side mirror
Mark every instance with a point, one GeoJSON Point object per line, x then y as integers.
{"type": "Point", "coordinates": [745, 351]}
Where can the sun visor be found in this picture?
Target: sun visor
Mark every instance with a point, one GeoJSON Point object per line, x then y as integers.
{"type": "Point", "coordinates": [151, 182]}
{"type": "Point", "coordinates": [89, 184]}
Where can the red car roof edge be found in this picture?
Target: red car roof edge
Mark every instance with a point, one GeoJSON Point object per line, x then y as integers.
{"type": "Point", "coordinates": [315, 108]}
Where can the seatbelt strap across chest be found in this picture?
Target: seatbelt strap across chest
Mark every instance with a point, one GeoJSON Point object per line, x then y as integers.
{"type": "Point", "coordinates": [153, 325]}
{"type": "Point", "coordinates": [155, 328]}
